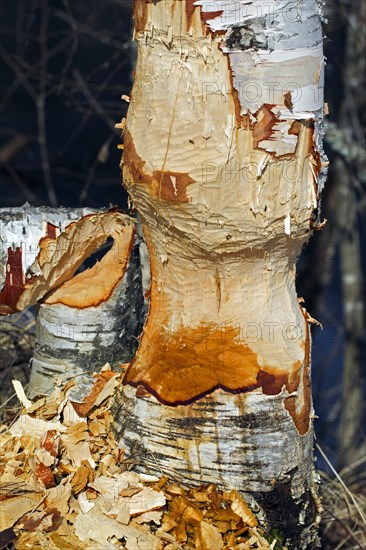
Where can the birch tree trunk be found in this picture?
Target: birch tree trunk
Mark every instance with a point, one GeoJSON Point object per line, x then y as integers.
{"type": "Point", "coordinates": [223, 161]}
{"type": "Point", "coordinates": [84, 319]}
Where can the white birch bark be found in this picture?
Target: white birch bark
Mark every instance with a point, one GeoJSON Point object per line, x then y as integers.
{"type": "Point", "coordinates": [223, 161]}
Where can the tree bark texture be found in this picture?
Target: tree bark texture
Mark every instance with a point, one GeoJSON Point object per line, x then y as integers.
{"type": "Point", "coordinates": [84, 319]}
{"type": "Point", "coordinates": [223, 160]}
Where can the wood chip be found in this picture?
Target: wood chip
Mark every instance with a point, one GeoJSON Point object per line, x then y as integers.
{"type": "Point", "coordinates": [26, 425]}
{"type": "Point", "coordinates": [242, 510]}
{"type": "Point", "coordinates": [100, 528]}
{"type": "Point", "coordinates": [105, 384]}
{"type": "Point", "coordinates": [144, 501]}
{"type": "Point", "coordinates": [20, 393]}
{"type": "Point", "coordinates": [84, 503]}
{"type": "Point", "coordinates": [114, 508]}
{"type": "Point", "coordinates": [13, 507]}
{"type": "Point", "coordinates": [58, 497]}
{"type": "Point", "coordinates": [70, 415]}
{"type": "Point", "coordinates": [83, 475]}
{"type": "Point", "coordinates": [208, 537]}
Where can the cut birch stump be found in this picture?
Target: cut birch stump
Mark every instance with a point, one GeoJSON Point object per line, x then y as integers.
{"type": "Point", "coordinates": [223, 160]}
{"type": "Point", "coordinates": [84, 319]}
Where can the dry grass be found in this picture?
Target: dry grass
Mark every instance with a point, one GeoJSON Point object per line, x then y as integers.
{"type": "Point", "coordinates": [344, 500]}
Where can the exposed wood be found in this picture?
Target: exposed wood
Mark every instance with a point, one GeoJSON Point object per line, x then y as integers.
{"type": "Point", "coordinates": [235, 214]}
{"type": "Point", "coordinates": [223, 160]}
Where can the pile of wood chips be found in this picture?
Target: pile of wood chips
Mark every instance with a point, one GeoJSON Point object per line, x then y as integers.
{"type": "Point", "coordinates": [65, 484]}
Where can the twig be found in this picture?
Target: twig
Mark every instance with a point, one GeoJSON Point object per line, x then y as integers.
{"type": "Point", "coordinates": [41, 118]}
{"type": "Point", "coordinates": [29, 195]}
{"type": "Point", "coordinates": [103, 38]}
{"type": "Point", "coordinates": [74, 45]}
{"type": "Point", "coordinates": [41, 115]}
{"type": "Point", "coordinates": [98, 160]}
{"type": "Point", "coordinates": [92, 100]}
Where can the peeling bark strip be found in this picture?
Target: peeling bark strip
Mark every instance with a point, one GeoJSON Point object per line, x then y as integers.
{"type": "Point", "coordinates": [230, 95]}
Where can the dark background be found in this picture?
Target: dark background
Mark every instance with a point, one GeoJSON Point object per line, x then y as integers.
{"type": "Point", "coordinates": [64, 67]}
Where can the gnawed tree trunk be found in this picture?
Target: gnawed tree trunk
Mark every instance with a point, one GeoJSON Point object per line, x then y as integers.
{"type": "Point", "coordinates": [222, 158]}
{"type": "Point", "coordinates": [83, 320]}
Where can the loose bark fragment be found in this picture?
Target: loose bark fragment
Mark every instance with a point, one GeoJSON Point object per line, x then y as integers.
{"type": "Point", "coordinates": [103, 388]}
{"type": "Point", "coordinates": [44, 475]}
{"type": "Point", "coordinates": [50, 442]}
{"type": "Point", "coordinates": [264, 125]}
{"type": "Point", "coordinates": [105, 274]}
